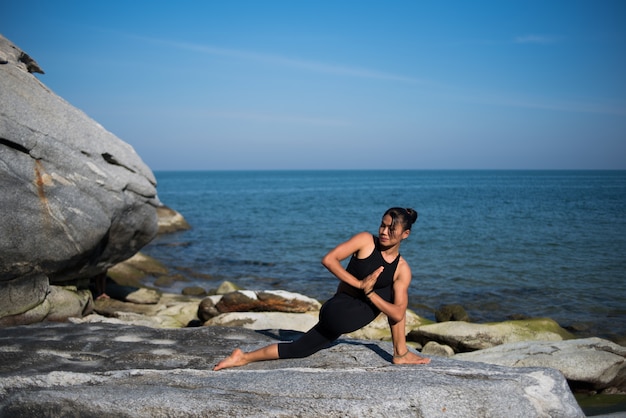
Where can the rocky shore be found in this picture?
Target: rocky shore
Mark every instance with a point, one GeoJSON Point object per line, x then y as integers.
{"type": "Point", "coordinates": [144, 352]}
{"type": "Point", "coordinates": [191, 333]}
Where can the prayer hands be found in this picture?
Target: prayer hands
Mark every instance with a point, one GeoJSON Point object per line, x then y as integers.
{"type": "Point", "coordinates": [368, 283]}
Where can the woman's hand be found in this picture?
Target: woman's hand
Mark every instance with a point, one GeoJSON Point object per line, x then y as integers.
{"type": "Point", "coordinates": [367, 284]}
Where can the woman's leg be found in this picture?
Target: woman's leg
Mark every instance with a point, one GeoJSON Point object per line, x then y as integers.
{"type": "Point", "coordinates": [240, 358]}
{"type": "Point", "coordinates": [401, 352]}
{"type": "Point", "coordinates": [339, 315]}
{"type": "Point", "coordinates": [309, 343]}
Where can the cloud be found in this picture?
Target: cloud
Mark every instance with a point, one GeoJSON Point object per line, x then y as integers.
{"type": "Point", "coordinates": [280, 60]}
{"type": "Point", "coordinates": [549, 104]}
{"type": "Point", "coordinates": [272, 118]}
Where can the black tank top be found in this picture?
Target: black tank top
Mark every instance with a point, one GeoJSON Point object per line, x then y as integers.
{"type": "Point", "coordinates": [361, 268]}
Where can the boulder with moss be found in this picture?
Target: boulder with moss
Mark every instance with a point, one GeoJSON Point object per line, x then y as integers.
{"type": "Point", "coordinates": [464, 336]}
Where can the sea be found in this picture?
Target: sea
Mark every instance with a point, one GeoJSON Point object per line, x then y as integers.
{"type": "Point", "coordinates": [503, 244]}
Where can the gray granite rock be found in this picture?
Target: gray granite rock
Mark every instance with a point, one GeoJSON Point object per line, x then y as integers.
{"type": "Point", "coordinates": [592, 363]}
{"type": "Point", "coordinates": [122, 371]}
{"type": "Point", "coordinates": [75, 199]}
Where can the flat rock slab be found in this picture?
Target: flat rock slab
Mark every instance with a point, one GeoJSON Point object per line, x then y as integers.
{"type": "Point", "coordinates": [122, 371]}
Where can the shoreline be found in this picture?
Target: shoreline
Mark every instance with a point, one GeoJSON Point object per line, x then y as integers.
{"type": "Point", "coordinates": [181, 279]}
{"type": "Point", "coordinates": [146, 271]}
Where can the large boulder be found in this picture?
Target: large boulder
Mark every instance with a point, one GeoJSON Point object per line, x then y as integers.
{"type": "Point", "coordinates": [75, 199]}
{"type": "Point", "coordinates": [465, 336]}
{"type": "Point", "coordinates": [122, 371]}
{"type": "Point", "coordinates": [590, 363]}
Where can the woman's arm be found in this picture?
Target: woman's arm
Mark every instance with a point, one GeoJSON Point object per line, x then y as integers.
{"type": "Point", "coordinates": [359, 244]}
{"type": "Point", "coordinates": [397, 310]}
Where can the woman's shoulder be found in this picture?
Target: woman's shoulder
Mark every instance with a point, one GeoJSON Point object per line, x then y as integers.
{"type": "Point", "coordinates": [364, 244]}
{"type": "Point", "coordinates": [403, 265]}
{"type": "Point", "coordinates": [364, 236]}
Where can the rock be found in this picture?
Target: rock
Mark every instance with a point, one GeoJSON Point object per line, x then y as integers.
{"type": "Point", "coordinates": [23, 293]}
{"type": "Point", "coordinates": [68, 303]}
{"type": "Point", "coordinates": [451, 313]}
{"type": "Point", "coordinates": [29, 63]}
{"type": "Point", "coordinates": [144, 296]}
{"type": "Point", "coordinates": [266, 301]}
{"type": "Point", "coordinates": [122, 371]}
{"type": "Point", "coordinates": [207, 309]}
{"type": "Point", "coordinates": [36, 314]}
{"type": "Point", "coordinates": [136, 267]}
{"type": "Point", "coordinates": [60, 304]}
{"type": "Point", "coordinates": [433, 348]}
{"type": "Point", "coordinates": [170, 221]}
{"type": "Point", "coordinates": [168, 280]}
{"type": "Point", "coordinates": [463, 336]}
{"type": "Point", "coordinates": [227, 287]}
{"type": "Point", "coordinates": [171, 311]}
{"type": "Point", "coordinates": [266, 320]}
{"type": "Point", "coordinates": [75, 199]}
{"type": "Point", "coordinates": [590, 363]}
{"type": "Point", "coordinates": [194, 291]}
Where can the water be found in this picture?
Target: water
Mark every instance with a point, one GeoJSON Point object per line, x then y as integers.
{"type": "Point", "coordinates": [537, 243]}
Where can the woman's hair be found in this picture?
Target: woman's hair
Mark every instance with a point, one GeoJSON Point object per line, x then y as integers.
{"type": "Point", "coordinates": [406, 217]}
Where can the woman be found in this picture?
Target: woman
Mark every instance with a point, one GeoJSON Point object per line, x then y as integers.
{"type": "Point", "coordinates": [376, 280]}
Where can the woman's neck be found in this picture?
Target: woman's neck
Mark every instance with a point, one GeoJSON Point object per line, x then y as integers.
{"type": "Point", "coordinates": [389, 252]}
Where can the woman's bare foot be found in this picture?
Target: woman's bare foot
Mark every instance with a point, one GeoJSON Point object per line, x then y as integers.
{"type": "Point", "coordinates": [410, 358]}
{"type": "Point", "coordinates": [103, 296]}
{"type": "Point", "coordinates": [236, 358]}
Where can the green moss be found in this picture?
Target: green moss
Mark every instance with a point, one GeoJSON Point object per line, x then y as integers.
{"type": "Point", "coordinates": [538, 325]}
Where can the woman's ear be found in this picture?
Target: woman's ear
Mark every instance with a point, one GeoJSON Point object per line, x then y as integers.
{"type": "Point", "coordinates": [406, 234]}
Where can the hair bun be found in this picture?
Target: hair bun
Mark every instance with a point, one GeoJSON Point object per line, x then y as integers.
{"type": "Point", "coordinates": [412, 215]}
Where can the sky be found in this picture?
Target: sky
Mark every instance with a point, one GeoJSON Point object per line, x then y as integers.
{"type": "Point", "coordinates": [280, 85]}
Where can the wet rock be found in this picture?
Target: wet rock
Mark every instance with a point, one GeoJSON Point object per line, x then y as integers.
{"type": "Point", "coordinates": [451, 313]}
{"type": "Point", "coordinates": [130, 272]}
{"type": "Point", "coordinates": [194, 291]}
{"type": "Point", "coordinates": [170, 220]}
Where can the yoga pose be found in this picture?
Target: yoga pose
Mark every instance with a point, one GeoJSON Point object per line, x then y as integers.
{"type": "Point", "coordinates": [376, 280]}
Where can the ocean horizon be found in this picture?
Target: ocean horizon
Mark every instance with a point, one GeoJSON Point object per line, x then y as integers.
{"type": "Point", "coordinates": [502, 243]}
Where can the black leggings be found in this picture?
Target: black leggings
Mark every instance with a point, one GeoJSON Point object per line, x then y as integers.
{"type": "Point", "coordinates": [341, 314]}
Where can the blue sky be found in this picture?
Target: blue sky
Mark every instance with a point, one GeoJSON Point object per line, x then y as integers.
{"type": "Point", "coordinates": [220, 85]}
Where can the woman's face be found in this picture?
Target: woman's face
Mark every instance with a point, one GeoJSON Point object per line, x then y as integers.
{"type": "Point", "coordinates": [388, 236]}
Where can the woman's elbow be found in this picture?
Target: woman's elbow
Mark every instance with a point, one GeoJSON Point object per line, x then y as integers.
{"type": "Point", "coordinates": [397, 316]}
